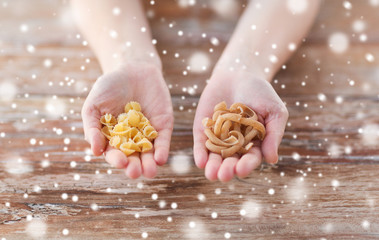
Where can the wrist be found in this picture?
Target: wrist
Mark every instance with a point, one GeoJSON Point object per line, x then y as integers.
{"type": "Point", "coordinates": [137, 67]}
{"type": "Point", "coordinates": [241, 71]}
{"type": "Point", "coordinates": [124, 55]}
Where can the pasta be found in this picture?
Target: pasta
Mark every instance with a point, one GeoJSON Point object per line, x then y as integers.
{"type": "Point", "coordinates": [130, 132]}
{"type": "Point", "coordinates": [231, 131]}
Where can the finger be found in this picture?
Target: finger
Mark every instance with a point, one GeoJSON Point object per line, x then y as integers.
{"type": "Point", "coordinates": [274, 133]}
{"type": "Point", "coordinates": [92, 133]}
{"type": "Point", "coordinates": [134, 170]}
{"type": "Point", "coordinates": [116, 158]}
{"type": "Point", "coordinates": [200, 153]}
{"type": "Point", "coordinates": [248, 162]}
{"type": "Point", "coordinates": [213, 165]}
{"type": "Point", "coordinates": [149, 166]}
{"type": "Point", "coordinates": [162, 146]}
{"type": "Point", "coordinates": [226, 171]}
{"type": "Point", "coordinates": [97, 141]}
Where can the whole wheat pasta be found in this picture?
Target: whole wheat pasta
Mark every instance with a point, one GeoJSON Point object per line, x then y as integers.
{"type": "Point", "coordinates": [231, 131]}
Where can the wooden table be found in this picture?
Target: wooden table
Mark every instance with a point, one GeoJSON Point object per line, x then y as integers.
{"type": "Point", "coordinates": [325, 185]}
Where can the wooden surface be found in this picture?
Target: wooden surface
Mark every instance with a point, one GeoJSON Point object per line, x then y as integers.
{"type": "Point", "coordinates": [325, 185]}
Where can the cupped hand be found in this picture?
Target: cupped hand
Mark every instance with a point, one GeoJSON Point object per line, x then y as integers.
{"type": "Point", "coordinates": [255, 92]}
{"type": "Point", "coordinates": [139, 82]}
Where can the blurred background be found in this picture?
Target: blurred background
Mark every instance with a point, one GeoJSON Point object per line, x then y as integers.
{"type": "Point", "coordinates": [325, 184]}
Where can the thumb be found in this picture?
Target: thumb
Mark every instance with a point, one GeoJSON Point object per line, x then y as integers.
{"type": "Point", "coordinates": [274, 133]}
{"type": "Point", "coordinates": [92, 130]}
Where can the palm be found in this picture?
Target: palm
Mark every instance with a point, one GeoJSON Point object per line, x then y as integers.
{"type": "Point", "coordinates": [110, 93]}
{"type": "Point", "coordinates": [260, 96]}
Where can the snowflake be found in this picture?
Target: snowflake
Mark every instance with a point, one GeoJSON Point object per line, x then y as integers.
{"type": "Point", "coordinates": [335, 183]}
{"type": "Point", "coordinates": [17, 166]}
{"type": "Point", "coordinates": [225, 8]}
{"type": "Point", "coordinates": [94, 207]}
{"type": "Point", "coordinates": [369, 57]}
{"type": "Point", "coordinates": [338, 42]}
{"type": "Point", "coordinates": [154, 196]}
{"type": "Point", "coordinates": [296, 156]}
{"type": "Point", "coordinates": [116, 11]}
{"type": "Point", "coordinates": [180, 163]}
{"type": "Point", "coordinates": [365, 224]}
{"type": "Point", "coordinates": [359, 26]}
{"type": "Point", "coordinates": [370, 134]}
{"type": "Point", "coordinates": [327, 228]}
{"type": "Point", "coordinates": [201, 197]}
{"type": "Point", "coordinates": [297, 6]}
{"type": "Point", "coordinates": [199, 62]}
{"type": "Point", "coordinates": [296, 190]}
{"type": "Point", "coordinates": [8, 91]}
{"type": "Point", "coordinates": [55, 107]}
{"type": "Point", "coordinates": [65, 231]}
{"type": "Point", "coordinates": [45, 163]}
{"type": "Point", "coordinates": [347, 5]}
{"type": "Point", "coordinates": [186, 3]}
{"type": "Point", "coordinates": [251, 209]}
{"type": "Point", "coordinates": [36, 228]}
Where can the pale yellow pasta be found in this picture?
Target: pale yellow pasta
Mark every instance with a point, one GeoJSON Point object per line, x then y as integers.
{"type": "Point", "coordinates": [150, 132]}
{"type": "Point", "coordinates": [138, 137]}
{"type": "Point", "coordinates": [143, 125]}
{"type": "Point", "coordinates": [132, 145]}
{"type": "Point", "coordinates": [133, 118]}
{"type": "Point", "coordinates": [115, 141]}
{"type": "Point", "coordinates": [106, 131]}
{"type": "Point", "coordinates": [132, 105]}
{"type": "Point", "coordinates": [122, 118]}
{"type": "Point", "coordinates": [108, 120]}
{"type": "Point", "coordinates": [124, 147]}
{"type": "Point", "coordinates": [119, 129]}
{"type": "Point", "coordinates": [143, 122]}
{"type": "Point", "coordinates": [130, 132]}
{"type": "Point", "coordinates": [145, 145]}
{"type": "Point", "coordinates": [231, 131]}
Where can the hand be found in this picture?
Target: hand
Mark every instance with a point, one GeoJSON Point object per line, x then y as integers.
{"type": "Point", "coordinates": [141, 82]}
{"type": "Point", "coordinates": [255, 92]}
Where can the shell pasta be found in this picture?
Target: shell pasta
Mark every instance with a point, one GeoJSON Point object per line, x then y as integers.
{"type": "Point", "coordinates": [130, 132]}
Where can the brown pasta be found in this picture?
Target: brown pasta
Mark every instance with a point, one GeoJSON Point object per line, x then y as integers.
{"type": "Point", "coordinates": [130, 132]}
{"type": "Point", "coordinates": [231, 131]}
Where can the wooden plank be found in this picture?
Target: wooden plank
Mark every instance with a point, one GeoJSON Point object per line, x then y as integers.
{"type": "Point", "coordinates": [304, 203]}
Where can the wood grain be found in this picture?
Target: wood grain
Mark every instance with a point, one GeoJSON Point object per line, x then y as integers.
{"type": "Point", "coordinates": [325, 185]}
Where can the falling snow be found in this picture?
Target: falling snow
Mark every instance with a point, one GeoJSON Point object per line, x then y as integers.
{"type": "Point", "coordinates": [198, 62]}
{"type": "Point", "coordinates": [370, 134]}
{"type": "Point", "coordinates": [297, 6]}
{"type": "Point", "coordinates": [290, 191]}
{"type": "Point", "coordinates": [180, 163]}
{"type": "Point", "coordinates": [36, 228]}
{"type": "Point", "coordinates": [8, 91]}
{"type": "Point", "coordinates": [17, 166]}
{"type": "Point", "coordinates": [338, 42]}
{"type": "Point", "coordinates": [251, 209]}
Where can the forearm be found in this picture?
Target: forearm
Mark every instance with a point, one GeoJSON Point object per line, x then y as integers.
{"type": "Point", "coordinates": [117, 31]}
{"type": "Point", "coordinates": [266, 36]}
